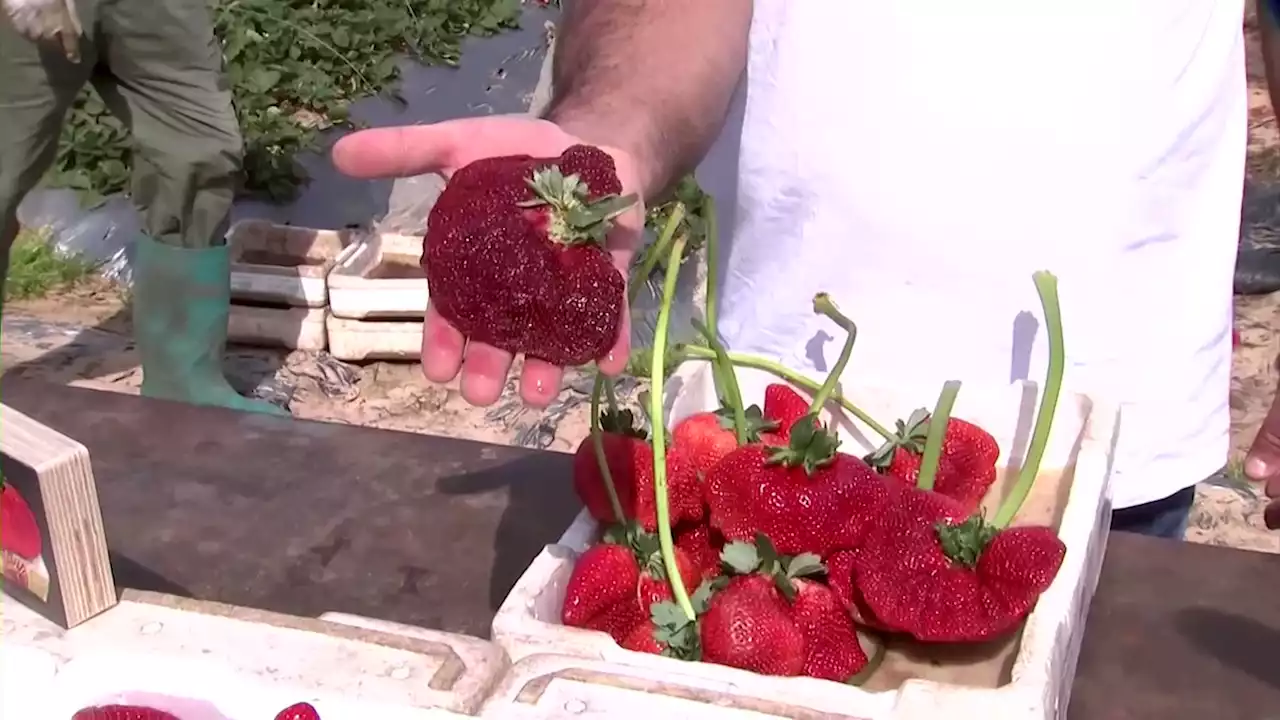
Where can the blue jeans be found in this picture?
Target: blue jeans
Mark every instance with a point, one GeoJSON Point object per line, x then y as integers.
{"type": "Point", "coordinates": [1166, 518]}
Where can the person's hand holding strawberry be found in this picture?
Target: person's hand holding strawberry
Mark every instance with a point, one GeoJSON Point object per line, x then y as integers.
{"type": "Point", "coordinates": [447, 147]}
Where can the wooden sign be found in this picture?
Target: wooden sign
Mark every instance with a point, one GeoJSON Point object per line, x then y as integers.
{"type": "Point", "coordinates": [51, 536]}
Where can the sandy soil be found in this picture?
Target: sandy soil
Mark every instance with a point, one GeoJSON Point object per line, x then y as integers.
{"type": "Point", "coordinates": [44, 338]}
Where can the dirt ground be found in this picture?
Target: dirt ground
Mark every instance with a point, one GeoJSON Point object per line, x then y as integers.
{"type": "Point", "coordinates": [82, 336]}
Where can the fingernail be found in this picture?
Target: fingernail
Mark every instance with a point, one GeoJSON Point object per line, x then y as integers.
{"type": "Point", "coordinates": [1256, 468]}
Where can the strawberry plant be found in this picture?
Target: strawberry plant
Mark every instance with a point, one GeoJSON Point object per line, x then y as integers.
{"type": "Point", "coordinates": [295, 66]}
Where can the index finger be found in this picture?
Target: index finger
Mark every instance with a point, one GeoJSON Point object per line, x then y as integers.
{"type": "Point", "coordinates": [398, 151]}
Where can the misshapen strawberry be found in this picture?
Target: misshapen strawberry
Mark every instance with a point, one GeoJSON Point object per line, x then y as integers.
{"type": "Point", "coordinates": [630, 460]}
{"type": "Point", "coordinates": [748, 625]}
{"type": "Point", "coordinates": [122, 712]}
{"type": "Point", "coordinates": [615, 584]}
{"type": "Point", "coordinates": [832, 648]}
{"type": "Point", "coordinates": [966, 468]}
{"type": "Point", "coordinates": [928, 571]}
{"type": "Point", "coordinates": [806, 497]}
{"type": "Point", "coordinates": [19, 531]}
{"type": "Point", "coordinates": [514, 254]}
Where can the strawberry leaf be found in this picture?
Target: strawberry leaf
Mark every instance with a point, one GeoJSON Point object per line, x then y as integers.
{"type": "Point", "coordinates": [740, 557]}
{"type": "Point", "coordinates": [804, 565]}
{"type": "Point", "coordinates": [785, 586]}
{"type": "Point", "coordinates": [756, 422]}
{"type": "Point", "coordinates": [768, 553]}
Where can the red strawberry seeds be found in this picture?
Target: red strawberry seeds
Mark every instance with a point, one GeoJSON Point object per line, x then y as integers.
{"type": "Point", "coordinates": [514, 254]}
{"type": "Point", "coordinates": [298, 711]}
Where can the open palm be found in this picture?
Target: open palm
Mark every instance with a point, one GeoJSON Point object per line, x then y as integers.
{"type": "Point", "coordinates": [443, 148]}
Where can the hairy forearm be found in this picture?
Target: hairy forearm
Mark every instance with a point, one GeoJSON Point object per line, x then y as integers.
{"type": "Point", "coordinates": [651, 77]}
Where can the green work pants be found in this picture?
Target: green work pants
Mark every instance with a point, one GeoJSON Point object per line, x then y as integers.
{"type": "Point", "coordinates": [158, 67]}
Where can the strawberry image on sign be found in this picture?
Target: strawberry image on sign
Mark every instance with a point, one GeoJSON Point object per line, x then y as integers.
{"type": "Point", "coordinates": [514, 254]}
{"type": "Point", "coordinates": [19, 531]}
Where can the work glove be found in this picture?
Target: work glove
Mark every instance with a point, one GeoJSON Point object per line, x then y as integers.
{"type": "Point", "coordinates": [43, 21]}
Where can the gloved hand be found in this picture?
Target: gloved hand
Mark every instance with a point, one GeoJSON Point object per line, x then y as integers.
{"type": "Point", "coordinates": [47, 21]}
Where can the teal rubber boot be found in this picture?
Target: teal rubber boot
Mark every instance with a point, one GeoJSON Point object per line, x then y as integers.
{"type": "Point", "coordinates": [181, 302]}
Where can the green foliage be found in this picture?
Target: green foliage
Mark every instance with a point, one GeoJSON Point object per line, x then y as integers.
{"type": "Point", "coordinates": [295, 66]}
{"type": "Point", "coordinates": [36, 267]}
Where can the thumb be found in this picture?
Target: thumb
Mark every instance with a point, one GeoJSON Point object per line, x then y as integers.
{"type": "Point", "coordinates": [1263, 460]}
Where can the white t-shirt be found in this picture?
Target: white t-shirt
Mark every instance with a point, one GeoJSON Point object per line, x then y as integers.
{"type": "Point", "coordinates": [920, 160]}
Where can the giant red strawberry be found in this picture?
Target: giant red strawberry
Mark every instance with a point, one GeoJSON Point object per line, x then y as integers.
{"type": "Point", "coordinates": [831, 648]}
{"type": "Point", "coordinates": [19, 532]}
{"type": "Point", "coordinates": [615, 584]}
{"type": "Point", "coordinates": [806, 497]}
{"type": "Point", "coordinates": [514, 254]}
{"type": "Point", "coordinates": [629, 458]}
{"type": "Point", "coordinates": [928, 570]}
{"type": "Point", "coordinates": [122, 712]}
{"type": "Point", "coordinates": [748, 625]}
{"type": "Point", "coordinates": [966, 468]}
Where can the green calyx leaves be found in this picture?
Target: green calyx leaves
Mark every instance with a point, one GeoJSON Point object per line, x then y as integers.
{"type": "Point", "coordinates": [674, 631]}
{"type": "Point", "coordinates": [909, 435]}
{"type": "Point", "coordinates": [812, 445]}
{"type": "Point", "coordinates": [756, 422]}
{"type": "Point", "coordinates": [575, 219]}
{"type": "Point", "coordinates": [964, 543]}
{"type": "Point", "coordinates": [744, 558]}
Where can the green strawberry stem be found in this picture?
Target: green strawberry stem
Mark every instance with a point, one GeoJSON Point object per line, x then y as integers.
{"type": "Point", "coordinates": [597, 442]}
{"type": "Point", "coordinates": [823, 305]}
{"type": "Point", "coordinates": [655, 252]}
{"type": "Point", "coordinates": [656, 376]}
{"type": "Point", "coordinates": [732, 397]}
{"type": "Point", "coordinates": [722, 371]}
{"type": "Point", "coordinates": [937, 433]}
{"type": "Point", "coordinates": [611, 396]}
{"type": "Point", "coordinates": [1047, 288]}
{"type": "Point", "coordinates": [755, 362]}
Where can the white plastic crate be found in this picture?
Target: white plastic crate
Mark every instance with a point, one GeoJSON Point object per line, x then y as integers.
{"type": "Point", "coordinates": [356, 340]}
{"type": "Point", "coordinates": [206, 661]}
{"type": "Point", "coordinates": [1083, 438]}
{"type": "Point", "coordinates": [380, 278]}
{"type": "Point", "coordinates": [294, 328]}
{"type": "Point", "coordinates": [284, 264]}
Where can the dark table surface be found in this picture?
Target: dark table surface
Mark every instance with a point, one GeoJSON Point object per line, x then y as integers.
{"type": "Point", "coordinates": [306, 517]}
{"type": "Point", "coordinates": [1181, 631]}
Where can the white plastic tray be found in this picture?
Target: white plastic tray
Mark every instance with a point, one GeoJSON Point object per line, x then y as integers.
{"type": "Point", "coordinates": [282, 263]}
{"type": "Point", "coordinates": [527, 623]}
{"type": "Point", "coordinates": [295, 328]}
{"type": "Point", "coordinates": [215, 662]}
{"type": "Point", "coordinates": [355, 340]}
{"type": "Point", "coordinates": [360, 288]}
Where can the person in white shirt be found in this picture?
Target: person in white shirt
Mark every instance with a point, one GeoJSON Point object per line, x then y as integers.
{"type": "Point", "coordinates": [919, 161]}
{"type": "Point", "coordinates": [1262, 464]}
